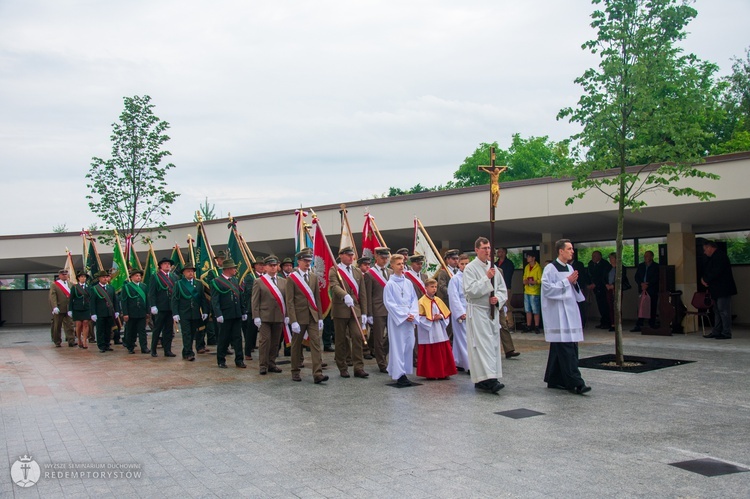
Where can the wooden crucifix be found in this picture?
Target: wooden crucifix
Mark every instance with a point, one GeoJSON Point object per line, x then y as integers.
{"type": "Point", "coordinates": [494, 172]}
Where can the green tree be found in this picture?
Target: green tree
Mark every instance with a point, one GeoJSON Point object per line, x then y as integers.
{"type": "Point", "coordinates": [468, 173]}
{"type": "Point", "coordinates": [644, 104]}
{"type": "Point", "coordinates": [734, 129]}
{"type": "Point", "coordinates": [129, 191]}
{"type": "Point", "coordinates": [206, 211]}
{"type": "Point", "coordinates": [536, 157]}
{"type": "Point", "coordinates": [60, 228]}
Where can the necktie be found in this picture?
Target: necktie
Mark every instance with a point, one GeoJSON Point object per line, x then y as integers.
{"type": "Point", "coordinates": [307, 281]}
{"type": "Point", "coordinates": [349, 269]}
{"type": "Point", "coordinates": [274, 279]}
{"type": "Point", "coordinates": [385, 274]}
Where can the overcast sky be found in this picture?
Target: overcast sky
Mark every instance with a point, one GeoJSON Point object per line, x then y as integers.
{"type": "Point", "coordinates": [280, 103]}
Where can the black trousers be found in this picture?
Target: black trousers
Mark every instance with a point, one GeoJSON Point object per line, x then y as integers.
{"type": "Point", "coordinates": [135, 328]}
{"type": "Point", "coordinates": [562, 366]}
{"type": "Point", "coordinates": [164, 326]}
{"type": "Point", "coordinates": [603, 306]}
{"type": "Point", "coordinates": [230, 332]}
{"type": "Point", "coordinates": [104, 327]}
{"type": "Point", "coordinates": [190, 333]}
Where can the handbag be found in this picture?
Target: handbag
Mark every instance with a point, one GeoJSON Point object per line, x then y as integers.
{"type": "Point", "coordinates": [644, 306]}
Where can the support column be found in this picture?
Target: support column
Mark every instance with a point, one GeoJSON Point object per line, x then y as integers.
{"type": "Point", "coordinates": [547, 248]}
{"type": "Point", "coordinates": [681, 254]}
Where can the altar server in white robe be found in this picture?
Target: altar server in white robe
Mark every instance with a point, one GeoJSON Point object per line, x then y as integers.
{"type": "Point", "coordinates": [483, 331]}
{"type": "Point", "coordinates": [457, 301]}
{"type": "Point", "coordinates": [401, 302]}
{"type": "Point", "coordinates": [562, 321]}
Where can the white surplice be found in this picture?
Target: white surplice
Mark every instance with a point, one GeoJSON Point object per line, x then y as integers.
{"type": "Point", "coordinates": [482, 332]}
{"type": "Point", "coordinates": [562, 318]}
{"type": "Point", "coordinates": [400, 300]}
{"type": "Point", "coordinates": [457, 300]}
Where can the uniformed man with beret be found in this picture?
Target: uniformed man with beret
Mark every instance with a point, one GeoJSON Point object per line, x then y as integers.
{"type": "Point", "coordinates": [211, 326]}
{"type": "Point", "coordinates": [104, 310]}
{"type": "Point", "coordinates": [160, 291]}
{"type": "Point", "coordinates": [190, 309]}
{"type": "Point", "coordinates": [229, 310]}
{"type": "Point", "coordinates": [134, 306]}
{"type": "Point", "coordinates": [364, 263]}
{"type": "Point", "coordinates": [287, 267]}
{"type": "Point", "coordinates": [349, 311]}
{"type": "Point", "coordinates": [269, 314]}
{"type": "Point", "coordinates": [305, 313]}
{"type": "Point", "coordinates": [405, 253]}
{"type": "Point", "coordinates": [377, 315]}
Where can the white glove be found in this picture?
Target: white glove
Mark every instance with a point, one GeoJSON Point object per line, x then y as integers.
{"type": "Point", "coordinates": [364, 321]}
{"type": "Point", "coordinates": [176, 318]}
{"type": "Point", "coordinates": [204, 317]}
{"type": "Point", "coordinates": [220, 319]}
{"type": "Point", "coordinates": [93, 318]}
{"type": "Point", "coordinates": [348, 301]}
{"type": "Point", "coordinates": [70, 314]}
{"type": "Point", "coordinates": [286, 320]}
{"type": "Point", "coordinates": [320, 325]}
{"type": "Point", "coordinates": [295, 327]}
{"type": "Point", "coordinates": [369, 320]}
{"type": "Point", "coordinates": [117, 314]}
{"type": "Point", "coordinates": [244, 317]}
{"type": "Point", "coordinates": [257, 322]}
{"type": "Point", "coordinates": [154, 310]}
{"type": "Point", "coordinates": [55, 311]}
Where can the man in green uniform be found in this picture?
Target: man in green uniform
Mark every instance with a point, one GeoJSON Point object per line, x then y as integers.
{"type": "Point", "coordinates": [190, 309]}
{"type": "Point", "coordinates": [134, 305]}
{"type": "Point", "coordinates": [104, 310]}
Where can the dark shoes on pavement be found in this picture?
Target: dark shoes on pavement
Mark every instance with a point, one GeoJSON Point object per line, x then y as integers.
{"type": "Point", "coordinates": [508, 355]}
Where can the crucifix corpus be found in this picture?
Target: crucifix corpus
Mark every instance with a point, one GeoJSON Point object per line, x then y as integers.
{"type": "Point", "coordinates": [494, 172]}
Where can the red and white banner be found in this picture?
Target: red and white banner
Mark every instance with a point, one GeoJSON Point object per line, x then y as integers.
{"type": "Point", "coordinates": [377, 276]}
{"type": "Point", "coordinates": [323, 262]}
{"type": "Point", "coordinates": [369, 238]}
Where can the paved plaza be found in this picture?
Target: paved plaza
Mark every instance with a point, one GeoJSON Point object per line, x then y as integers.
{"type": "Point", "coordinates": [193, 430]}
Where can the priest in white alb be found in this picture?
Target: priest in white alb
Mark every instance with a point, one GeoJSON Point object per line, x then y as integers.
{"type": "Point", "coordinates": [562, 321]}
{"type": "Point", "coordinates": [457, 301]}
{"type": "Point", "coordinates": [403, 309]}
{"type": "Point", "coordinates": [486, 294]}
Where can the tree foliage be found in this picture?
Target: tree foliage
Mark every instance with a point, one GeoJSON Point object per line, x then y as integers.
{"type": "Point", "coordinates": [129, 191]}
{"type": "Point", "coordinates": [646, 104]}
{"type": "Point", "coordinates": [733, 132]}
{"type": "Point", "coordinates": [206, 211]}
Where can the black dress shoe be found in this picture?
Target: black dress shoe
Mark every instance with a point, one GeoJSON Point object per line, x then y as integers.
{"type": "Point", "coordinates": [222, 366]}
{"type": "Point", "coordinates": [359, 373]}
{"type": "Point", "coordinates": [274, 370]}
{"type": "Point", "coordinates": [100, 350]}
{"type": "Point", "coordinates": [148, 350]}
{"type": "Point", "coordinates": [508, 355]}
{"type": "Point", "coordinates": [710, 335]}
{"type": "Point", "coordinates": [636, 329]}
{"type": "Point", "coordinates": [71, 345]}
{"type": "Point", "coordinates": [556, 387]}
{"type": "Point", "coordinates": [496, 386]}
{"type": "Point", "coordinates": [403, 381]}
{"type": "Point", "coordinates": [169, 354]}
{"type": "Point", "coordinates": [383, 369]}
{"type": "Point", "coordinates": [461, 369]}
{"type": "Point", "coordinates": [369, 357]}
{"type": "Point", "coordinates": [241, 365]}
{"type": "Point", "coordinates": [580, 390]}
{"type": "Point", "coordinates": [154, 354]}
{"type": "Point", "coordinates": [320, 378]}
{"type": "Point", "coordinates": [109, 349]}
{"type": "Point", "coordinates": [131, 351]}
{"type": "Point", "coordinates": [328, 349]}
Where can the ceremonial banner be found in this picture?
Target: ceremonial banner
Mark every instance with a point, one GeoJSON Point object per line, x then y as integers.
{"type": "Point", "coordinates": [237, 252]}
{"type": "Point", "coordinates": [203, 256]}
{"type": "Point", "coordinates": [152, 265]}
{"type": "Point", "coordinates": [347, 239]}
{"type": "Point", "coordinates": [69, 266]}
{"type": "Point", "coordinates": [423, 246]}
{"type": "Point", "coordinates": [323, 261]}
{"type": "Point", "coordinates": [177, 258]}
{"type": "Point", "coordinates": [92, 264]}
{"type": "Point", "coordinates": [369, 238]}
{"type": "Point", "coordinates": [119, 266]}
{"type": "Point", "coordinates": [132, 256]}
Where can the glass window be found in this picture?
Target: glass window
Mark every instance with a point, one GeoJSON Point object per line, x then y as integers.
{"type": "Point", "coordinates": [12, 282]}
{"type": "Point", "coordinates": [515, 255]}
{"type": "Point", "coordinates": [40, 281]}
{"type": "Point", "coordinates": [649, 244]}
{"type": "Point", "coordinates": [738, 245]}
{"type": "Point", "coordinates": [605, 247]}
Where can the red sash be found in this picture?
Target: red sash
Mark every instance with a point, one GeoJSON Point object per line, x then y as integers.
{"type": "Point", "coordinates": [376, 275]}
{"type": "Point", "coordinates": [305, 288]}
{"type": "Point", "coordinates": [416, 281]}
{"type": "Point", "coordinates": [352, 285]}
{"type": "Point", "coordinates": [62, 288]}
{"type": "Point", "coordinates": [280, 302]}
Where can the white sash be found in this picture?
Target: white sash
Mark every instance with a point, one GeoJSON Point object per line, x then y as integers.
{"type": "Point", "coordinates": [275, 292]}
{"type": "Point", "coordinates": [377, 276]}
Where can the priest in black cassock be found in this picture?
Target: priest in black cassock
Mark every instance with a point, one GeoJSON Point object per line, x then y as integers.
{"type": "Point", "coordinates": [562, 321]}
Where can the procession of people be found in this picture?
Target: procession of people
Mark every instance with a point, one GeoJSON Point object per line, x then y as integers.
{"type": "Point", "coordinates": [409, 322]}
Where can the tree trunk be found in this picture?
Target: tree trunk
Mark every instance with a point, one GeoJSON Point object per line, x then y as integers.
{"type": "Point", "coordinates": [619, 357]}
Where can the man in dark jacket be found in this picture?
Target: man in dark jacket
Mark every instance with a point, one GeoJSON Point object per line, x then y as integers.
{"type": "Point", "coordinates": [598, 271]}
{"type": "Point", "coordinates": [718, 278]}
{"type": "Point", "coordinates": [647, 280]}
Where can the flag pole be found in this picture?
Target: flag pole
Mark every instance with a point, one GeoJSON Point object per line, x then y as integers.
{"type": "Point", "coordinates": [191, 251]}
{"type": "Point", "coordinates": [432, 245]}
{"type": "Point", "coordinates": [345, 222]}
{"type": "Point", "coordinates": [119, 245]}
{"type": "Point", "coordinates": [92, 242]}
{"type": "Point", "coordinates": [341, 281]}
{"type": "Point", "coordinates": [377, 231]}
